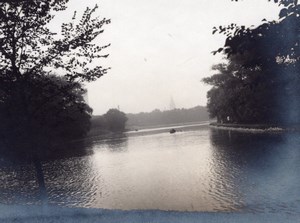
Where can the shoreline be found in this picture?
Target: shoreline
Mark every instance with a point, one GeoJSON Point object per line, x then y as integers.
{"type": "Point", "coordinates": [255, 127]}
{"type": "Point", "coordinates": [35, 213]}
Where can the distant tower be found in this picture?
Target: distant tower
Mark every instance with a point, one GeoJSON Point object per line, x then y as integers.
{"type": "Point", "coordinates": [172, 104]}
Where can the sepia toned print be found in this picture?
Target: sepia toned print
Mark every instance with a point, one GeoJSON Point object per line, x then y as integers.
{"type": "Point", "coordinates": [149, 111]}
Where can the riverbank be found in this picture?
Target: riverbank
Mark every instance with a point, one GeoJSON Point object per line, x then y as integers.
{"type": "Point", "coordinates": [255, 127]}
{"type": "Point", "coordinates": [28, 214]}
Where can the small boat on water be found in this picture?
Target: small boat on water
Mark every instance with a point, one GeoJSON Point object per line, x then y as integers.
{"type": "Point", "coordinates": [172, 131]}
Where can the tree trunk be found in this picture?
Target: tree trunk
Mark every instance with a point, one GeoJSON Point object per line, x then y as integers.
{"type": "Point", "coordinates": [41, 180]}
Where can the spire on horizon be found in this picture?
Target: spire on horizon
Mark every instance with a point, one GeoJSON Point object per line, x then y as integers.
{"type": "Point", "coordinates": [172, 104]}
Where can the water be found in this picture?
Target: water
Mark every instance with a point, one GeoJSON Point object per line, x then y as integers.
{"type": "Point", "coordinates": [195, 169]}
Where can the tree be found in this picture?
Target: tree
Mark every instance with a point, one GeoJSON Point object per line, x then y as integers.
{"type": "Point", "coordinates": [36, 105]}
{"type": "Point", "coordinates": [270, 53]}
{"type": "Point", "coordinates": [238, 95]}
{"type": "Point", "coordinates": [27, 46]}
{"type": "Point", "coordinates": [57, 111]}
{"type": "Point", "coordinates": [54, 118]}
{"type": "Point", "coordinates": [115, 120]}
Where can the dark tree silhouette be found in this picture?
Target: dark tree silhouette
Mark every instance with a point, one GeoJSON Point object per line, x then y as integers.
{"type": "Point", "coordinates": [57, 113]}
{"type": "Point", "coordinates": [115, 120]}
{"type": "Point", "coordinates": [239, 95]}
{"type": "Point", "coordinates": [270, 55]}
{"type": "Point", "coordinates": [38, 108]}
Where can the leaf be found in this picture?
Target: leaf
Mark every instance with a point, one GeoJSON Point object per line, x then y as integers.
{"type": "Point", "coordinates": [283, 13]}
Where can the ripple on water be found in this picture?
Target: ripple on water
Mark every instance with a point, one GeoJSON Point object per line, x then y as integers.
{"type": "Point", "coordinates": [198, 170]}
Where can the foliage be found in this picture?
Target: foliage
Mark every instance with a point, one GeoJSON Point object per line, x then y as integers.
{"type": "Point", "coordinates": [55, 112]}
{"type": "Point", "coordinates": [36, 105]}
{"type": "Point", "coordinates": [112, 121]}
{"type": "Point", "coordinates": [239, 95]}
{"type": "Point", "coordinates": [39, 109]}
{"type": "Point", "coordinates": [269, 56]}
{"type": "Point", "coordinates": [269, 44]}
{"type": "Point", "coordinates": [27, 46]}
{"type": "Point", "coordinates": [115, 120]}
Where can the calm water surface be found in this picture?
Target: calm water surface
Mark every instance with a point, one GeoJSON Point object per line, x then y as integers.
{"type": "Point", "coordinates": [195, 169]}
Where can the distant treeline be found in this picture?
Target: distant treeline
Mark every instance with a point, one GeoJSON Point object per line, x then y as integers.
{"type": "Point", "coordinates": [159, 118]}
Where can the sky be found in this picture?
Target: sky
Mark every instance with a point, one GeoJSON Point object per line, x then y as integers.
{"type": "Point", "coordinates": [161, 49]}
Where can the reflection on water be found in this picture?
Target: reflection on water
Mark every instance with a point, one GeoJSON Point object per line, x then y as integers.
{"type": "Point", "coordinates": [114, 143]}
{"type": "Point", "coordinates": [264, 167]}
{"type": "Point", "coordinates": [197, 169]}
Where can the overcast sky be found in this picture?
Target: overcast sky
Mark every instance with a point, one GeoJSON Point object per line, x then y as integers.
{"type": "Point", "coordinates": [161, 49]}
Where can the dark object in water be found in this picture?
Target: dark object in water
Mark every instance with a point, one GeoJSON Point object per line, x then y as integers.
{"type": "Point", "coordinates": [172, 131]}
